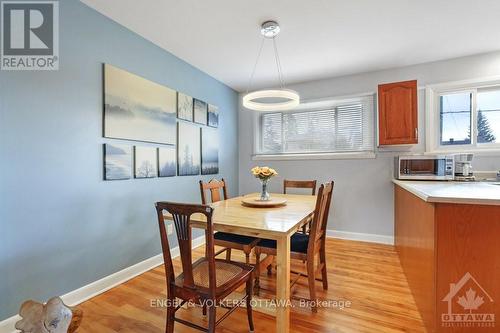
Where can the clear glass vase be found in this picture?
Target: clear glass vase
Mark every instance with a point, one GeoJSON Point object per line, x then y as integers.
{"type": "Point", "coordinates": [264, 195]}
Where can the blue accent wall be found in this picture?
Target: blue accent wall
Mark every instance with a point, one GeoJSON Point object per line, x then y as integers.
{"type": "Point", "coordinates": [61, 225]}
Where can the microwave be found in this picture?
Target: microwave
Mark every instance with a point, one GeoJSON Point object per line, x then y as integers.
{"type": "Point", "coordinates": [424, 167]}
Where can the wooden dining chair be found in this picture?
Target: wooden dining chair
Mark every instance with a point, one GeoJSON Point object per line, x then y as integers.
{"type": "Point", "coordinates": [306, 184]}
{"type": "Point", "coordinates": [207, 281]}
{"type": "Point", "coordinates": [302, 184]}
{"type": "Point", "coordinates": [214, 186]}
{"type": "Point", "coordinates": [226, 240]}
{"type": "Point", "coordinates": [306, 247]}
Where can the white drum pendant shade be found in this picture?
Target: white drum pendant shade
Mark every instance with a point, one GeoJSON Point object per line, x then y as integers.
{"type": "Point", "coordinates": [292, 100]}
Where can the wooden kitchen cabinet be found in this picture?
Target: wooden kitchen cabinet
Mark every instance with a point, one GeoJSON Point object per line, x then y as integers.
{"type": "Point", "coordinates": [398, 113]}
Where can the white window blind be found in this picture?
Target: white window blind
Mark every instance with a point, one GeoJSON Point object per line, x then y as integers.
{"type": "Point", "coordinates": [339, 127]}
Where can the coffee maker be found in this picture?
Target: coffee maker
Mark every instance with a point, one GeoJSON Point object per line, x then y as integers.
{"type": "Point", "coordinates": [463, 167]}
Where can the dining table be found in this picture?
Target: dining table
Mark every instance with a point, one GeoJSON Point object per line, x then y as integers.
{"type": "Point", "coordinates": [277, 223]}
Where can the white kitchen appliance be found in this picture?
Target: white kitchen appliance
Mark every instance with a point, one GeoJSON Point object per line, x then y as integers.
{"type": "Point", "coordinates": [463, 167]}
{"type": "Point", "coordinates": [424, 167]}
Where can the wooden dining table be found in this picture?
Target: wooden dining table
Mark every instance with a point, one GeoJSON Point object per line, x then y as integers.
{"type": "Point", "coordinates": [277, 223]}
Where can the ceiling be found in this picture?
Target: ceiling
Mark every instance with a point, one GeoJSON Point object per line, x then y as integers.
{"type": "Point", "coordinates": [319, 38]}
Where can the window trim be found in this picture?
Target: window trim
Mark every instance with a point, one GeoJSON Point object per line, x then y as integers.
{"type": "Point", "coordinates": [315, 105]}
{"type": "Point", "coordinates": [432, 122]}
{"type": "Point", "coordinates": [314, 156]}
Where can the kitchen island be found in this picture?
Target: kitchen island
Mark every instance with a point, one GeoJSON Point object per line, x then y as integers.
{"type": "Point", "coordinates": [447, 235]}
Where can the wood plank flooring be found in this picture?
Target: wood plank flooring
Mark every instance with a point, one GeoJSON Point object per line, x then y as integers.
{"type": "Point", "coordinates": [368, 275]}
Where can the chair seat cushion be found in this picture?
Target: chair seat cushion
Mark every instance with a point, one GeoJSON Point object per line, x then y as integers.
{"type": "Point", "coordinates": [299, 243]}
{"type": "Point", "coordinates": [234, 238]}
{"type": "Point", "coordinates": [225, 273]}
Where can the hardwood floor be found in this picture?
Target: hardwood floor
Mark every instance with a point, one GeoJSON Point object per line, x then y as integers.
{"type": "Point", "coordinates": [368, 275]}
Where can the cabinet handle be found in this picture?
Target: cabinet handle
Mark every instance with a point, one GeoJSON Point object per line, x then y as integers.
{"type": "Point", "coordinates": [416, 132]}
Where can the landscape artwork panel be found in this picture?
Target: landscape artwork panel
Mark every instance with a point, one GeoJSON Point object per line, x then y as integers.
{"type": "Point", "coordinates": [200, 112]}
{"type": "Point", "coordinates": [184, 107]}
{"type": "Point", "coordinates": [138, 109]}
{"type": "Point", "coordinates": [188, 150]}
{"type": "Point", "coordinates": [117, 161]}
{"type": "Point", "coordinates": [167, 165]}
{"type": "Point", "coordinates": [213, 115]}
{"type": "Point", "coordinates": [145, 162]}
{"type": "Point", "coordinates": [209, 151]}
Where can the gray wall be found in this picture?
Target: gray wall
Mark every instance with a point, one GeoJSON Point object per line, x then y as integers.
{"type": "Point", "coordinates": [61, 226]}
{"type": "Point", "coordinates": [363, 191]}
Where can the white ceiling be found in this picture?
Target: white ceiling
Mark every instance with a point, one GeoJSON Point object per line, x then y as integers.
{"type": "Point", "coordinates": [319, 38]}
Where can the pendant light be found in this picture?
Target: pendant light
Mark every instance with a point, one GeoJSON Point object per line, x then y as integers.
{"type": "Point", "coordinates": [270, 99]}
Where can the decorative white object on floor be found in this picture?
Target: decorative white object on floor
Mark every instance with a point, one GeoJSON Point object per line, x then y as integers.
{"type": "Point", "coordinates": [52, 317]}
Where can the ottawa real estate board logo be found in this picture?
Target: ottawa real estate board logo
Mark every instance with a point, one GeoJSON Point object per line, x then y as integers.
{"type": "Point", "coordinates": [30, 35]}
{"type": "Point", "coordinates": [468, 304]}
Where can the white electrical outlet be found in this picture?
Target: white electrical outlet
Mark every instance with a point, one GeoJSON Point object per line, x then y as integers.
{"type": "Point", "coordinates": [170, 228]}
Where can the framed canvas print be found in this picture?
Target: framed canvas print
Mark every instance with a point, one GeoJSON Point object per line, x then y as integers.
{"type": "Point", "coordinates": [137, 109]}
{"type": "Point", "coordinates": [209, 151]}
{"type": "Point", "coordinates": [145, 162]}
{"type": "Point", "coordinates": [184, 107]}
{"type": "Point", "coordinates": [200, 112]}
{"type": "Point", "coordinates": [117, 161]}
{"type": "Point", "coordinates": [188, 149]}
{"type": "Point", "coordinates": [167, 166]}
{"type": "Point", "coordinates": [213, 116]}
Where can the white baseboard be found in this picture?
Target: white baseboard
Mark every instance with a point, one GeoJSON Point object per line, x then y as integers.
{"type": "Point", "coordinates": [100, 286]}
{"type": "Point", "coordinates": [356, 236]}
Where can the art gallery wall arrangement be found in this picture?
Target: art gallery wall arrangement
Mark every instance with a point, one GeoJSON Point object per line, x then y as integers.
{"type": "Point", "coordinates": [209, 151]}
{"type": "Point", "coordinates": [200, 112]}
{"type": "Point", "coordinates": [189, 150]}
{"type": "Point", "coordinates": [117, 161]}
{"type": "Point", "coordinates": [213, 116]}
{"type": "Point", "coordinates": [167, 162]}
{"type": "Point", "coordinates": [145, 162]}
{"type": "Point", "coordinates": [136, 109]}
{"type": "Point", "coordinates": [184, 107]}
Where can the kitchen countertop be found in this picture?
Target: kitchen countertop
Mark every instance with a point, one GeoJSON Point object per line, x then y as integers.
{"type": "Point", "coordinates": [478, 193]}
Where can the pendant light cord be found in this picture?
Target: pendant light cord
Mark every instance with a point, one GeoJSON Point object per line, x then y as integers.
{"type": "Point", "coordinates": [278, 64]}
{"type": "Point", "coordinates": [277, 60]}
{"type": "Point", "coordinates": [255, 65]}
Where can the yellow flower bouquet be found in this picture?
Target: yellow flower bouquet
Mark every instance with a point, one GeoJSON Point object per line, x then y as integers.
{"type": "Point", "coordinates": [264, 174]}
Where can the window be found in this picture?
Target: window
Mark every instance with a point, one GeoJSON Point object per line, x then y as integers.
{"type": "Point", "coordinates": [488, 116]}
{"type": "Point", "coordinates": [319, 127]}
{"type": "Point", "coordinates": [463, 117]}
{"type": "Point", "coordinates": [456, 115]}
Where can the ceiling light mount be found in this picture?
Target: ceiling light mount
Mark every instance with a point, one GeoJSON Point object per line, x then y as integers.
{"type": "Point", "coordinates": [271, 99]}
{"type": "Point", "coordinates": [270, 29]}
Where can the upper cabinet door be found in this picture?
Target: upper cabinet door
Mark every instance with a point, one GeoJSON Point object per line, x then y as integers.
{"type": "Point", "coordinates": [398, 113]}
